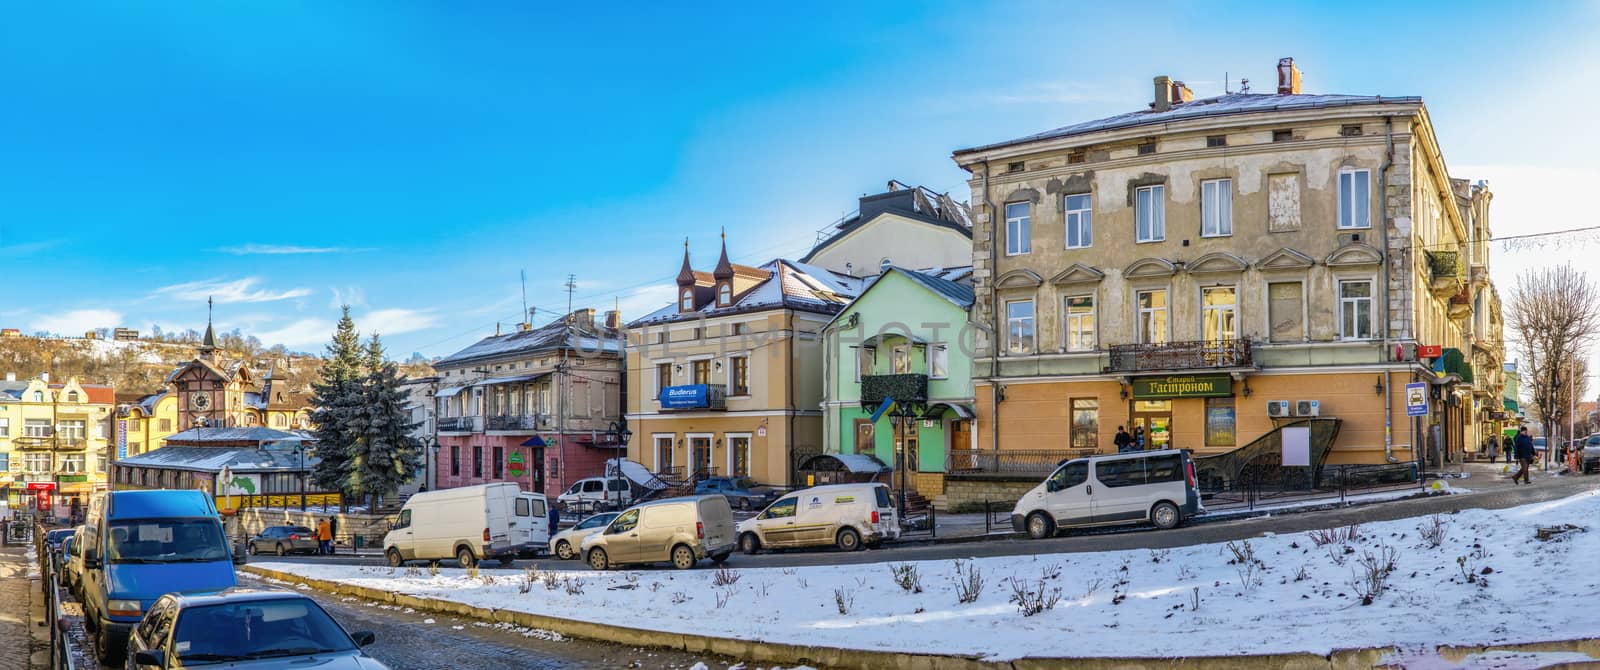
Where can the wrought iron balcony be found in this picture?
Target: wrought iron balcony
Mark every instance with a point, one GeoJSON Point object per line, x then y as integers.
{"type": "Point", "coordinates": [906, 389]}
{"type": "Point", "coordinates": [1195, 355]}
{"type": "Point", "coordinates": [528, 422]}
{"type": "Point", "coordinates": [460, 424]}
{"type": "Point", "coordinates": [33, 443]}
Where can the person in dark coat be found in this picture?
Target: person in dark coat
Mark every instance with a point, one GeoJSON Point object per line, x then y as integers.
{"type": "Point", "coordinates": [555, 516]}
{"type": "Point", "coordinates": [1523, 451]}
{"type": "Point", "coordinates": [1123, 440]}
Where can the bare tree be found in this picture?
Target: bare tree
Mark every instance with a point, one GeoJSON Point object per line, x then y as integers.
{"type": "Point", "coordinates": [1555, 313]}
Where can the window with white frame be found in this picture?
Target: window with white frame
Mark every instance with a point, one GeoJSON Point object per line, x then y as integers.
{"type": "Point", "coordinates": [36, 428]}
{"type": "Point", "coordinates": [900, 359]}
{"type": "Point", "coordinates": [1019, 326]}
{"type": "Point", "coordinates": [1355, 309]}
{"type": "Point", "coordinates": [725, 295]}
{"type": "Point", "coordinates": [739, 454]}
{"type": "Point", "coordinates": [663, 377]}
{"type": "Point", "coordinates": [1150, 211]}
{"type": "Point", "coordinates": [36, 464]}
{"type": "Point", "coordinates": [1216, 208]}
{"type": "Point", "coordinates": [686, 301]}
{"type": "Point", "coordinates": [1079, 326]}
{"type": "Point", "coordinates": [1221, 313]}
{"type": "Point", "coordinates": [72, 463]}
{"type": "Point", "coordinates": [1080, 221]}
{"type": "Point", "coordinates": [5, 427]}
{"type": "Point", "coordinates": [864, 360]}
{"type": "Point", "coordinates": [739, 375]}
{"type": "Point", "coordinates": [1355, 209]}
{"type": "Point", "coordinates": [1153, 316]}
{"type": "Point", "coordinates": [938, 361]}
{"type": "Point", "coordinates": [1019, 235]}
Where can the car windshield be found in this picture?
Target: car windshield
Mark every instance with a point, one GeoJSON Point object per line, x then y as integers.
{"type": "Point", "coordinates": [166, 541]}
{"type": "Point", "coordinates": [256, 629]}
{"type": "Point", "coordinates": [597, 520]}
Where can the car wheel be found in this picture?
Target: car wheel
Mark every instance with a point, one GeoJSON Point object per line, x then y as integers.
{"type": "Point", "coordinates": [394, 558]}
{"type": "Point", "coordinates": [564, 550]}
{"type": "Point", "coordinates": [464, 557]}
{"type": "Point", "coordinates": [1041, 526]}
{"type": "Point", "coordinates": [848, 539]}
{"type": "Point", "coordinates": [598, 559]}
{"type": "Point", "coordinates": [750, 544]}
{"type": "Point", "coordinates": [102, 648]}
{"type": "Point", "coordinates": [254, 550]}
{"type": "Point", "coordinates": [281, 551]}
{"type": "Point", "coordinates": [683, 557]}
{"type": "Point", "coordinates": [1165, 515]}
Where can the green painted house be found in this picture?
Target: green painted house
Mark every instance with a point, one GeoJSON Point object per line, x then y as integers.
{"type": "Point", "coordinates": [906, 338]}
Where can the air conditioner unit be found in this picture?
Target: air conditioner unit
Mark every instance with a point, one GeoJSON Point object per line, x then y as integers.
{"type": "Point", "coordinates": [1277, 409]}
{"type": "Point", "coordinates": [1307, 408]}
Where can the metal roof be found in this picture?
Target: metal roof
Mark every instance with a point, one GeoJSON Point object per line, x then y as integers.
{"type": "Point", "coordinates": [552, 337]}
{"type": "Point", "coordinates": [1232, 103]}
{"type": "Point", "coordinates": [238, 434]}
{"type": "Point", "coordinates": [511, 380]}
{"type": "Point", "coordinates": [213, 459]}
{"type": "Point", "coordinates": [960, 294]}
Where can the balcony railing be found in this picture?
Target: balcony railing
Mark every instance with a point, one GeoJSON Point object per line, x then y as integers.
{"type": "Point", "coordinates": [33, 443]}
{"type": "Point", "coordinates": [70, 442]}
{"type": "Point", "coordinates": [904, 388]}
{"type": "Point", "coordinates": [514, 422]}
{"type": "Point", "coordinates": [460, 424]}
{"type": "Point", "coordinates": [1182, 355]}
{"type": "Point", "coordinates": [1038, 462]}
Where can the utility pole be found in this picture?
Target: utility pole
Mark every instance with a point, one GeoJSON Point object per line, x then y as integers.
{"type": "Point", "coordinates": [564, 386]}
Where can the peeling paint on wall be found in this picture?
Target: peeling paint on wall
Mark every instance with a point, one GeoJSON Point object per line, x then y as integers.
{"type": "Point", "coordinates": [1283, 203]}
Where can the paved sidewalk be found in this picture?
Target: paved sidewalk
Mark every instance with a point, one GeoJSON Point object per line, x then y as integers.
{"type": "Point", "coordinates": [16, 598]}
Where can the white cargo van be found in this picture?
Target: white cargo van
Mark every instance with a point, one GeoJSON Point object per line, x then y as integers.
{"type": "Point", "coordinates": [841, 515]}
{"type": "Point", "coordinates": [1154, 486]}
{"type": "Point", "coordinates": [679, 530]}
{"type": "Point", "coordinates": [469, 524]}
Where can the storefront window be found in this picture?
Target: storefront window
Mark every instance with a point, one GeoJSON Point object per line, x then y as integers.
{"type": "Point", "coordinates": [1085, 423]}
{"type": "Point", "coordinates": [1220, 422]}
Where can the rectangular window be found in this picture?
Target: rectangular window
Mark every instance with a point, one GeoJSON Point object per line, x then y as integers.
{"type": "Point", "coordinates": [1016, 167]}
{"type": "Point", "coordinates": [455, 460]}
{"type": "Point", "coordinates": [1216, 208]}
{"type": "Point", "coordinates": [1150, 210]}
{"type": "Point", "coordinates": [1350, 130]}
{"type": "Point", "coordinates": [1147, 148]}
{"type": "Point", "coordinates": [166, 425]}
{"type": "Point", "coordinates": [739, 455]}
{"type": "Point", "coordinates": [1282, 135]}
{"type": "Point", "coordinates": [36, 464]}
{"type": "Point", "coordinates": [100, 462]}
{"type": "Point", "coordinates": [1216, 140]}
{"type": "Point", "coordinates": [738, 375]}
{"type": "Point", "coordinates": [700, 372]}
{"type": "Point", "coordinates": [72, 463]}
{"type": "Point", "coordinates": [1019, 235]}
{"type": "Point", "coordinates": [663, 453]}
{"type": "Point", "coordinates": [1355, 209]}
{"type": "Point", "coordinates": [5, 461]}
{"type": "Point", "coordinates": [36, 428]}
{"type": "Point", "coordinates": [1153, 317]}
{"type": "Point", "coordinates": [1077, 157]}
{"type": "Point", "coordinates": [938, 361]}
{"type": "Point", "coordinates": [1085, 423]}
{"type": "Point", "coordinates": [1219, 422]}
{"type": "Point", "coordinates": [864, 356]}
{"type": "Point", "coordinates": [1079, 326]}
{"type": "Point", "coordinates": [1019, 326]}
{"type": "Point", "coordinates": [5, 427]}
{"type": "Point", "coordinates": [477, 461]}
{"type": "Point", "coordinates": [1080, 222]}
{"type": "Point", "coordinates": [499, 466]}
{"type": "Point", "coordinates": [1221, 313]}
{"type": "Point", "coordinates": [1355, 309]}
{"type": "Point", "coordinates": [1285, 312]}
{"type": "Point", "coordinates": [900, 358]}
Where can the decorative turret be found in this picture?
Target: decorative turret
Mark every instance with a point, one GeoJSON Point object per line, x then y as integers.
{"type": "Point", "coordinates": [686, 281]}
{"type": "Point", "coordinates": [724, 275]}
{"type": "Point", "coordinates": [208, 345]}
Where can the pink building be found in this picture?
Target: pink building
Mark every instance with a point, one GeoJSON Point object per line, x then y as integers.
{"type": "Point", "coordinates": [539, 407]}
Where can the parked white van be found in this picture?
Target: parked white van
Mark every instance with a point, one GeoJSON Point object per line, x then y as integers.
{"type": "Point", "coordinates": [592, 490]}
{"type": "Point", "coordinates": [680, 530]}
{"type": "Point", "coordinates": [1154, 486]}
{"type": "Point", "coordinates": [841, 515]}
{"type": "Point", "coordinates": [470, 524]}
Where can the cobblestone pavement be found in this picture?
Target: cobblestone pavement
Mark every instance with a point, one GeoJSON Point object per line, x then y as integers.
{"type": "Point", "coordinates": [15, 598]}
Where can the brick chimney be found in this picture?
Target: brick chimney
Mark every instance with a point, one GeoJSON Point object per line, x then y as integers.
{"type": "Point", "coordinates": [1163, 94]}
{"type": "Point", "coordinates": [1288, 77]}
{"type": "Point", "coordinates": [1181, 93]}
{"type": "Point", "coordinates": [613, 319]}
{"type": "Point", "coordinates": [583, 318]}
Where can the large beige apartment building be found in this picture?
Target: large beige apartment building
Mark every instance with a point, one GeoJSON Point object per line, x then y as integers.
{"type": "Point", "coordinates": [1203, 271]}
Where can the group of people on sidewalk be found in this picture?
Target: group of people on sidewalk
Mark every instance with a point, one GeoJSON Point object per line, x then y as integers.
{"type": "Point", "coordinates": [1127, 442]}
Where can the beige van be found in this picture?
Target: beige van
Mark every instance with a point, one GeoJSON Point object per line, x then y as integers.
{"type": "Point", "coordinates": [842, 515]}
{"type": "Point", "coordinates": [677, 530]}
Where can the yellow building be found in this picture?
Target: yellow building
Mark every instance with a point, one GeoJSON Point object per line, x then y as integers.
{"type": "Point", "coordinates": [728, 379]}
{"type": "Point", "coordinates": [54, 442]}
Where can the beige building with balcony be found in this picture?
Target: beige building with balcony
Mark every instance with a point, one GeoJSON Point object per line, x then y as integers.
{"type": "Point", "coordinates": [1182, 268]}
{"type": "Point", "coordinates": [54, 442]}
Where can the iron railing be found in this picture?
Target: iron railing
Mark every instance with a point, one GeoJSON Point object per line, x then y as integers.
{"type": "Point", "coordinates": [906, 389]}
{"type": "Point", "coordinates": [1011, 461]}
{"type": "Point", "coordinates": [1198, 354]}
{"type": "Point", "coordinates": [460, 424]}
{"type": "Point", "coordinates": [1258, 487]}
{"type": "Point", "coordinates": [513, 422]}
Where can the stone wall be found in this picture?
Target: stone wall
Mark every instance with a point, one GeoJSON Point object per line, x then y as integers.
{"type": "Point", "coordinates": [370, 527]}
{"type": "Point", "coordinates": [962, 490]}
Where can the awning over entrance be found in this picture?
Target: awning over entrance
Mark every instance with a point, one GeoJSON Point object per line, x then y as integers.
{"type": "Point", "coordinates": [534, 441]}
{"type": "Point", "coordinates": [936, 410]}
{"type": "Point", "coordinates": [875, 340]}
{"type": "Point", "coordinates": [853, 463]}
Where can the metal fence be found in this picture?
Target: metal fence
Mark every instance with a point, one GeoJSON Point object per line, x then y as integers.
{"type": "Point", "coordinates": [1037, 462]}
{"type": "Point", "coordinates": [1265, 487]}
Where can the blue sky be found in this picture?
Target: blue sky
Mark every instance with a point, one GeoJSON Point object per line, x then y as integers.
{"type": "Point", "coordinates": [412, 158]}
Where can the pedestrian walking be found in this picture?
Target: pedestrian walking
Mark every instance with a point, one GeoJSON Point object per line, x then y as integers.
{"type": "Point", "coordinates": [555, 517]}
{"type": "Point", "coordinates": [333, 532]}
{"type": "Point", "coordinates": [1524, 453]}
{"type": "Point", "coordinates": [1123, 440]}
{"type": "Point", "coordinates": [1138, 438]}
{"type": "Point", "coordinates": [324, 537]}
{"type": "Point", "coordinates": [1494, 448]}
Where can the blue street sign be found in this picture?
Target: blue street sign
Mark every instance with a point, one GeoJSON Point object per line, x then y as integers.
{"type": "Point", "coordinates": [1417, 399]}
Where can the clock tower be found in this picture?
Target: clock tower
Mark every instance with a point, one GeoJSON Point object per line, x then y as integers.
{"type": "Point", "coordinates": [210, 390]}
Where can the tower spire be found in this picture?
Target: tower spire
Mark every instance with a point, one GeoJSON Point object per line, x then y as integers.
{"type": "Point", "coordinates": [209, 344]}
{"type": "Point", "coordinates": [724, 269]}
{"type": "Point", "coordinates": [686, 274]}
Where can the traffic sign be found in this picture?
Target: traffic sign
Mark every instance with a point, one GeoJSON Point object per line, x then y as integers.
{"type": "Point", "coordinates": [1417, 399]}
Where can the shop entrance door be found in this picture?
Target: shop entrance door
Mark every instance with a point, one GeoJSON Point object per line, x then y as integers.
{"type": "Point", "coordinates": [1154, 417]}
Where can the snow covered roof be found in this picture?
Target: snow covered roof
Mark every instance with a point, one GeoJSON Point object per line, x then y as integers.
{"type": "Point", "coordinates": [790, 285]}
{"type": "Point", "coordinates": [551, 337]}
{"type": "Point", "coordinates": [1232, 103]}
{"type": "Point", "coordinates": [239, 434]}
{"type": "Point", "coordinates": [918, 203]}
{"type": "Point", "coordinates": [213, 459]}
{"type": "Point", "coordinates": [960, 294]}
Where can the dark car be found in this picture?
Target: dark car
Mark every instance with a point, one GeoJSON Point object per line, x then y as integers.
{"type": "Point", "coordinates": [52, 539]}
{"type": "Point", "coordinates": [245, 628]}
{"type": "Point", "coordinates": [742, 492]}
{"type": "Point", "coordinates": [283, 540]}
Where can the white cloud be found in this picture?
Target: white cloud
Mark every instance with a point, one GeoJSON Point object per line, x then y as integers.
{"type": "Point", "coordinates": [76, 322]}
{"type": "Point", "coordinates": [226, 292]}
{"type": "Point", "coordinates": [352, 296]}
{"type": "Point", "coordinates": [386, 322]}
{"type": "Point", "coordinates": [301, 333]}
{"type": "Point", "coordinates": [283, 250]}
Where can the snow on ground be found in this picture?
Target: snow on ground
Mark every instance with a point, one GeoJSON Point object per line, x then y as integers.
{"type": "Point", "coordinates": [1487, 581]}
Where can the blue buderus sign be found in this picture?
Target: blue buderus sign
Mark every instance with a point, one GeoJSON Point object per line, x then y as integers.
{"type": "Point", "coordinates": [686, 397]}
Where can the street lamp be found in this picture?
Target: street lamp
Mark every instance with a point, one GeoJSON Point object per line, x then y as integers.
{"type": "Point", "coordinates": [300, 460]}
{"type": "Point", "coordinates": [617, 434]}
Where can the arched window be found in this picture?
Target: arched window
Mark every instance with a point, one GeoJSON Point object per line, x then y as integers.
{"type": "Point", "coordinates": [725, 295]}
{"type": "Point", "coordinates": [686, 303]}
{"type": "Point", "coordinates": [72, 396]}
{"type": "Point", "coordinates": [38, 396]}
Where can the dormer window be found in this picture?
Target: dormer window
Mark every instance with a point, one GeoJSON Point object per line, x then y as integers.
{"type": "Point", "coordinates": [72, 396]}
{"type": "Point", "coordinates": [686, 302]}
{"type": "Point", "coordinates": [724, 295]}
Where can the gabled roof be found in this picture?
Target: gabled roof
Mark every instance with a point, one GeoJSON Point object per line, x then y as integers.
{"type": "Point", "coordinates": [238, 434]}
{"type": "Point", "coordinates": [552, 337]}
{"type": "Point", "coordinates": [213, 459]}
{"type": "Point", "coordinates": [959, 294]}
{"type": "Point", "coordinates": [918, 204]}
{"type": "Point", "coordinates": [788, 285]}
{"type": "Point", "coordinates": [1232, 103]}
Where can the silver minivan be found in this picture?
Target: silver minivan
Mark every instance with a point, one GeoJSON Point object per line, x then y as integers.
{"type": "Point", "coordinates": [1158, 487]}
{"type": "Point", "coordinates": [677, 530]}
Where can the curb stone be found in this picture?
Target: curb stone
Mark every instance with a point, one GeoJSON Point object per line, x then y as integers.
{"type": "Point", "coordinates": [756, 651]}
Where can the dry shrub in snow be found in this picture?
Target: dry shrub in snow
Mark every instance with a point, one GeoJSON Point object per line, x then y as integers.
{"type": "Point", "coordinates": [723, 595]}
{"type": "Point", "coordinates": [844, 601]}
{"type": "Point", "coordinates": [969, 582]}
{"type": "Point", "coordinates": [433, 569]}
{"type": "Point", "coordinates": [1327, 536]}
{"type": "Point", "coordinates": [1245, 563]}
{"type": "Point", "coordinates": [574, 586]}
{"type": "Point", "coordinates": [1033, 599]}
{"type": "Point", "coordinates": [679, 597]}
{"type": "Point", "coordinates": [1434, 530]}
{"type": "Point", "coordinates": [906, 577]}
{"type": "Point", "coordinates": [1372, 579]}
{"type": "Point", "coordinates": [724, 577]}
{"type": "Point", "coordinates": [472, 572]}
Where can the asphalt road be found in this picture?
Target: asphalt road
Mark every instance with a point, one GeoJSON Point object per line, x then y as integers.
{"type": "Point", "coordinates": [1544, 488]}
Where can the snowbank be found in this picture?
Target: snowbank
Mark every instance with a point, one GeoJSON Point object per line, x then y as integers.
{"type": "Point", "coordinates": [1487, 581]}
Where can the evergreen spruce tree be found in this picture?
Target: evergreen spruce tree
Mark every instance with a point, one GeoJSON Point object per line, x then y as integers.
{"type": "Point", "coordinates": [383, 455]}
{"type": "Point", "coordinates": [337, 404]}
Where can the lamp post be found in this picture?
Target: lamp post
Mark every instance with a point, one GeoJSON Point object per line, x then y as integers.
{"type": "Point", "coordinates": [300, 460]}
{"type": "Point", "coordinates": [616, 433]}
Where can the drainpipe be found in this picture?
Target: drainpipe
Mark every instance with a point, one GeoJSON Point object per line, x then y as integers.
{"type": "Point", "coordinates": [994, 323]}
{"type": "Point", "coordinates": [1383, 236]}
